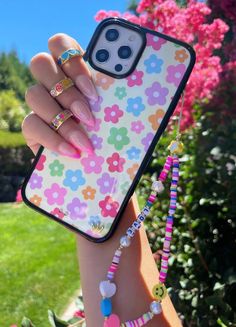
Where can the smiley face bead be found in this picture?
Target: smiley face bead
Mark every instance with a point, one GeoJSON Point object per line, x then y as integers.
{"type": "Point", "coordinates": [159, 291]}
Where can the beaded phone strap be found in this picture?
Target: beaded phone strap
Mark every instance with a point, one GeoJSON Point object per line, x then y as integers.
{"type": "Point", "coordinates": [108, 287]}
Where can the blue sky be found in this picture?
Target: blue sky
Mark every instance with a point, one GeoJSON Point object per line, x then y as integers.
{"type": "Point", "coordinates": [26, 25]}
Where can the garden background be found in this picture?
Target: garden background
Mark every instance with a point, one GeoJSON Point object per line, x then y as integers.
{"type": "Point", "coordinates": [202, 279]}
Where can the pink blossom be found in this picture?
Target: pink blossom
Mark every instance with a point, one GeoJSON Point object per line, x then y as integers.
{"type": "Point", "coordinates": [135, 78]}
{"type": "Point", "coordinates": [113, 114]}
{"type": "Point", "coordinates": [92, 164]}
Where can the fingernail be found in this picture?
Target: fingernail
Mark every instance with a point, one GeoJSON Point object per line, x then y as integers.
{"type": "Point", "coordinates": [81, 142]}
{"type": "Point", "coordinates": [82, 111]}
{"type": "Point", "coordinates": [68, 150]}
{"type": "Point", "coordinates": [86, 86]}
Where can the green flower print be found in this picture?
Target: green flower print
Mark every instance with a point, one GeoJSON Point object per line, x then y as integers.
{"type": "Point", "coordinates": [118, 137]}
{"type": "Point", "coordinates": [124, 187]}
{"type": "Point", "coordinates": [56, 168]}
{"type": "Point", "coordinates": [120, 92]}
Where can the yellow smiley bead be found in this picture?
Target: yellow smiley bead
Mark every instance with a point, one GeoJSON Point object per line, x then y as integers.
{"type": "Point", "coordinates": [176, 147]}
{"type": "Point", "coordinates": [159, 291]}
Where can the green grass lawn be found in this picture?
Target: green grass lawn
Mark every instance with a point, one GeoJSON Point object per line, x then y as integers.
{"type": "Point", "coordinates": [9, 139]}
{"type": "Point", "coordinates": [38, 266]}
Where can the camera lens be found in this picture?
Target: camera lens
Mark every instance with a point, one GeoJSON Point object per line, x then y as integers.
{"type": "Point", "coordinates": [118, 67]}
{"type": "Point", "coordinates": [102, 55]}
{"type": "Point", "coordinates": [124, 52]}
{"type": "Point", "coordinates": [112, 34]}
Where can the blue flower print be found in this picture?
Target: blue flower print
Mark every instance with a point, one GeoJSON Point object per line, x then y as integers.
{"type": "Point", "coordinates": [133, 153]}
{"type": "Point", "coordinates": [74, 179]}
{"type": "Point", "coordinates": [135, 106]}
{"type": "Point", "coordinates": [153, 64]}
{"type": "Point", "coordinates": [94, 220]}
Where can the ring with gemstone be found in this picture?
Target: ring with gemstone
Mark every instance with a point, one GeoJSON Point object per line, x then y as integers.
{"type": "Point", "coordinates": [67, 55]}
{"type": "Point", "coordinates": [60, 118]}
{"type": "Point", "coordinates": [61, 86]}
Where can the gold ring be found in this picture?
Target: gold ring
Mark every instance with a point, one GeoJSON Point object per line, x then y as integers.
{"type": "Point", "coordinates": [60, 118]}
{"type": "Point", "coordinates": [67, 55]}
{"type": "Point", "coordinates": [61, 86]}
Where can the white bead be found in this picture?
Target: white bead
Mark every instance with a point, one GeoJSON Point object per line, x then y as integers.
{"type": "Point", "coordinates": [130, 232]}
{"type": "Point", "coordinates": [107, 289]}
{"type": "Point", "coordinates": [136, 224]}
{"type": "Point", "coordinates": [157, 186]}
{"type": "Point", "coordinates": [125, 241]}
{"type": "Point", "coordinates": [155, 307]}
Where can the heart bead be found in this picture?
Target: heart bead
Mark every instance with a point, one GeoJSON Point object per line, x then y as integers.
{"type": "Point", "coordinates": [112, 321]}
{"type": "Point", "coordinates": [107, 289]}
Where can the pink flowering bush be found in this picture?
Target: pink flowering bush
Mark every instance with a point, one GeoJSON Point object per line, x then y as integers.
{"type": "Point", "coordinates": [188, 24]}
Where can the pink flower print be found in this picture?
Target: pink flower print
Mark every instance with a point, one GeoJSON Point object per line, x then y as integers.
{"type": "Point", "coordinates": [156, 94]}
{"type": "Point", "coordinates": [96, 127]}
{"type": "Point", "coordinates": [137, 126]}
{"type": "Point", "coordinates": [40, 163]}
{"type": "Point", "coordinates": [155, 41]}
{"type": "Point", "coordinates": [108, 207]}
{"type": "Point", "coordinates": [96, 105]}
{"type": "Point", "coordinates": [115, 163]}
{"type": "Point", "coordinates": [92, 164]}
{"type": "Point", "coordinates": [135, 78]}
{"type": "Point", "coordinates": [96, 141]}
{"type": "Point", "coordinates": [112, 114]}
{"type": "Point", "coordinates": [175, 74]}
{"type": "Point", "coordinates": [77, 209]}
{"type": "Point", "coordinates": [55, 194]}
{"type": "Point", "coordinates": [147, 140]}
{"type": "Point", "coordinates": [57, 213]}
{"type": "Point", "coordinates": [107, 184]}
{"type": "Point", "coordinates": [35, 181]}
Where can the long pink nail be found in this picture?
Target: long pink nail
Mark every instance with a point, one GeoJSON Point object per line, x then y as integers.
{"type": "Point", "coordinates": [68, 150]}
{"type": "Point", "coordinates": [82, 111]}
{"type": "Point", "coordinates": [86, 86]}
{"type": "Point", "coordinates": [81, 142]}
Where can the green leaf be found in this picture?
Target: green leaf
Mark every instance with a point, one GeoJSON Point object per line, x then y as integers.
{"type": "Point", "coordinates": [55, 321]}
{"type": "Point", "coordinates": [27, 323]}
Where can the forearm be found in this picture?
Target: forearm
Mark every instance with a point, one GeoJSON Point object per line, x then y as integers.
{"type": "Point", "coordinates": [136, 275]}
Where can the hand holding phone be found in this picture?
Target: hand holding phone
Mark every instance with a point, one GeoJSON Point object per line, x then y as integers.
{"type": "Point", "coordinates": [139, 76]}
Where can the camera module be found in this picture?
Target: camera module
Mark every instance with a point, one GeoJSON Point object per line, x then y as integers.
{"type": "Point", "coordinates": [124, 52]}
{"type": "Point", "coordinates": [112, 35]}
{"type": "Point", "coordinates": [102, 55]}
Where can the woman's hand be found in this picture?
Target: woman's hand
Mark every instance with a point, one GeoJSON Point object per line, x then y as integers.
{"type": "Point", "coordinates": [70, 138]}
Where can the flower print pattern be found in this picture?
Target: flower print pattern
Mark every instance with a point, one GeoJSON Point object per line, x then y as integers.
{"type": "Point", "coordinates": [36, 200]}
{"type": "Point", "coordinates": [89, 193]}
{"type": "Point", "coordinates": [133, 153]}
{"type": "Point", "coordinates": [73, 179]}
{"type": "Point", "coordinates": [156, 94]}
{"type": "Point", "coordinates": [107, 184]}
{"type": "Point", "coordinates": [147, 140]}
{"type": "Point", "coordinates": [132, 171]}
{"type": "Point", "coordinates": [57, 213]}
{"type": "Point", "coordinates": [137, 126]}
{"type": "Point", "coordinates": [175, 74]}
{"type": "Point", "coordinates": [108, 207]}
{"type": "Point", "coordinates": [118, 137]}
{"type": "Point", "coordinates": [103, 81]}
{"type": "Point", "coordinates": [135, 106]}
{"type": "Point", "coordinates": [181, 55]}
{"type": "Point", "coordinates": [96, 141]}
{"type": "Point", "coordinates": [92, 164]}
{"type": "Point", "coordinates": [129, 123]}
{"type": "Point", "coordinates": [115, 163]}
{"type": "Point", "coordinates": [153, 64]}
{"type": "Point", "coordinates": [112, 114]}
{"type": "Point", "coordinates": [120, 92]}
{"type": "Point", "coordinates": [135, 78]}
{"type": "Point", "coordinates": [96, 105]}
{"type": "Point", "coordinates": [77, 209]}
{"type": "Point", "coordinates": [56, 168]}
{"type": "Point", "coordinates": [41, 162]}
{"type": "Point", "coordinates": [55, 194]}
{"type": "Point", "coordinates": [155, 41]}
{"type": "Point", "coordinates": [35, 181]}
{"type": "Point", "coordinates": [156, 118]}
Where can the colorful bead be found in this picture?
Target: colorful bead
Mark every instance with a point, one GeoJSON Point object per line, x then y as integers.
{"type": "Point", "coordinates": [136, 225]}
{"type": "Point", "coordinates": [155, 307]}
{"type": "Point", "coordinates": [157, 186]}
{"type": "Point", "coordinates": [106, 307]}
{"type": "Point", "coordinates": [159, 291]}
{"type": "Point", "coordinates": [141, 217]}
{"type": "Point", "coordinates": [112, 321]}
{"type": "Point", "coordinates": [125, 241]}
{"type": "Point", "coordinates": [130, 232]}
{"type": "Point", "coordinates": [107, 289]}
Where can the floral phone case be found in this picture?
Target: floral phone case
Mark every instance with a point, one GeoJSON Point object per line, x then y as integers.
{"type": "Point", "coordinates": [89, 194]}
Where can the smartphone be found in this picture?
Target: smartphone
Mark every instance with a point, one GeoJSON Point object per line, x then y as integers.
{"type": "Point", "coordinates": [139, 75]}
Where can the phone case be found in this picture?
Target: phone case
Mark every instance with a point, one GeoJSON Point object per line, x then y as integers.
{"type": "Point", "coordinates": [89, 194]}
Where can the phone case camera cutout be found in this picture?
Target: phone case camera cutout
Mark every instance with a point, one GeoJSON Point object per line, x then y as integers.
{"type": "Point", "coordinates": [139, 75]}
